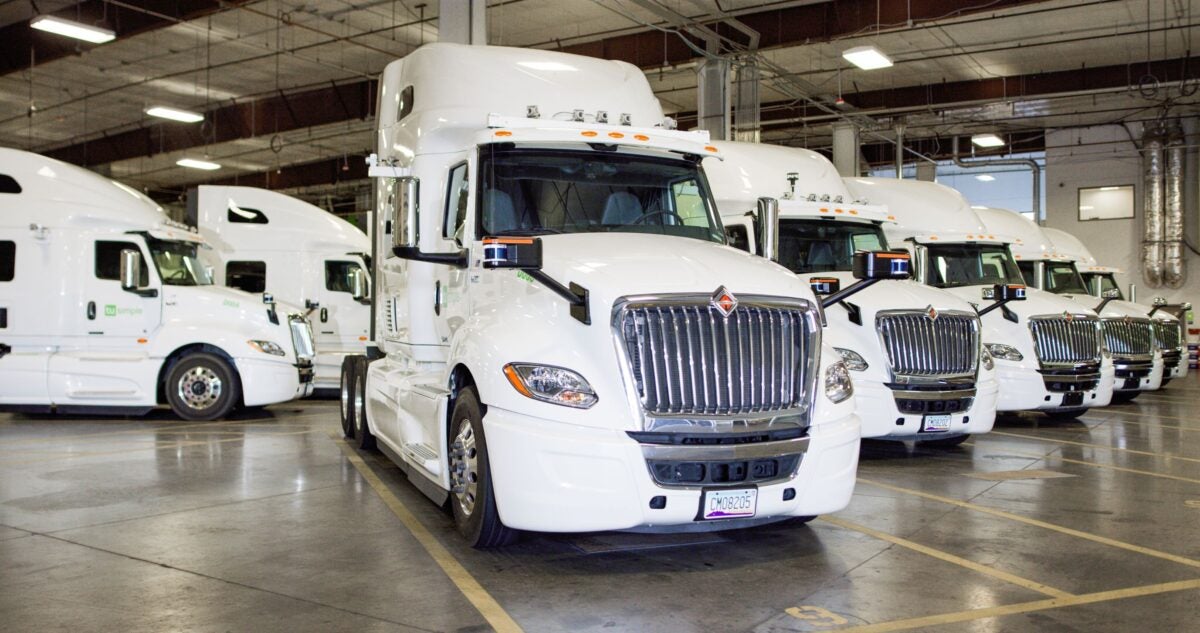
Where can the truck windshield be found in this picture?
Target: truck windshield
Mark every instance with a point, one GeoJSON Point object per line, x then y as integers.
{"type": "Point", "coordinates": [818, 245]}
{"type": "Point", "coordinates": [1062, 278]}
{"type": "Point", "coordinates": [953, 265]}
{"type": "Point", "coordinates": [543, 191]}
{"type": "Point", "coordinates": [1101, 283]}
{"type": "Point", "coordinates": [178, 264]}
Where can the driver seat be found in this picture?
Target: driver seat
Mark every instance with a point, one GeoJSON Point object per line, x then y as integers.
{"type": "Point", "coordinates": [621, 207]}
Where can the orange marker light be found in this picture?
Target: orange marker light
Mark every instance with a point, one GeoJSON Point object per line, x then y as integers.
{"type": "Point", "coordinates": [710, 148]}
{"type": "Point", "coordinates": [838, 211]}
{"type": "Point", "coordinates": [362, 338]}
{"type": "Point", "coordinates": [588, 133]}
{"type": "Point", "coordinates": [853, 212]}
{"type": "Point", "coordinates": [641, 137]}
{"type": "Point", "coordinates": [615, 135]}
{"type": "Point", "coordinates": [503, 133]}
{"type": "Point", "coordinates": [891, 217]}
{"type": "Point", "coordinates": [515, 380]}
{"type": "Point", "coordinates": [824, 210]}
{"type": "Point", "coordinates": [143, 340]}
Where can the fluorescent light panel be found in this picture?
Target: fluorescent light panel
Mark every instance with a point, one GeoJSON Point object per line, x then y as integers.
{"type": "Point", "coordinates": [985, 178]}
{"type": "Point", "coordinates": [183, 116]}
{"type": "Point", "coordinates": [987, 140]}
{"type": "Point", "coordinates": [197, 164]}
{"type": "Point", "coordinates": [69, 28]}
{"type": "Point", "coordinates": [867, 57]}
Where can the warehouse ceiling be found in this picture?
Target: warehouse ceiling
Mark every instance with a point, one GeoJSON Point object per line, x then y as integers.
{"type": "Point", "coordinates": [287, 86]}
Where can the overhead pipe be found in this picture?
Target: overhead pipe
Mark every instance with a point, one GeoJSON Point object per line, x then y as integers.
{"type": "Point", "coordinates": [899, 150]}
{"type": "Point", "coordinates": [1174, 264]}
{"type": "Point", "coordinates": [1153, 140]}
{"type": "Point", "coordinates": [1003, 162]}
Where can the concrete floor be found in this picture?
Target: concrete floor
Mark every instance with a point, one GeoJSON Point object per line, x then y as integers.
{"type": "Point", "coordinates": [267, 523]}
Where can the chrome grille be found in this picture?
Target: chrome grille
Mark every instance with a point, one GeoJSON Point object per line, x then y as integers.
{"type": "Point", "coordinates": [1126, 337]}
{"type": "Point", "coordinates": [921, 346]}
{"type": "Point", "coordinates": [1059, 341]}
{"type": "Point", "coordinates": [686, 358]}
{"type": "Point", "coordinates": [1168, 335]}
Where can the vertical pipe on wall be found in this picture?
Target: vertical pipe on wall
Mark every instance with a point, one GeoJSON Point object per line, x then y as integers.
{"type": "Point", "coordinates": [1152, 205]}
{"type": "Point", "coordinates": [899, 150]}
{"type": "Point", "coordinates": [1174, 265]}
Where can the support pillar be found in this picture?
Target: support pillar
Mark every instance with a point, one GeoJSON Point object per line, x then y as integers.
{"type": "Point", "coordinates": [926, 171]}
{"type": "Point", "coordinates": [845, 149]}
{"type": "Point", "coordinates": [462, 21]}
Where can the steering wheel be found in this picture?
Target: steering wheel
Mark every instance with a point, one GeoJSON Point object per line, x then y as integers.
{"type": "Point", "coordinates": [642, 220]}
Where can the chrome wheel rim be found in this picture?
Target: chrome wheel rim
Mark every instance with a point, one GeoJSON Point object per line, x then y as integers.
{"type": "Point", "coordinates": [345, 402]}
{"type": "Point", "coordinates": [359, 409]}
{"type": "Point", "coordinates": [200, 388]}
{"type": "Point", "coordinates": [464, 467]}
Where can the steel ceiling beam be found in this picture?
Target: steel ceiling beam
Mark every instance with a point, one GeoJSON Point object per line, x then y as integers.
{"type": "Point", "coordinates": [22, 47]}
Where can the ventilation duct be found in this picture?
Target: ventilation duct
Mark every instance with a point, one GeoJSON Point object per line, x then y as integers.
{"type": "Point", "coordinates": [1153, 141]}
{"type": "Point", "coordinates": [747, 105]}
{"type": "Point", "coordinates": [1174, 270]}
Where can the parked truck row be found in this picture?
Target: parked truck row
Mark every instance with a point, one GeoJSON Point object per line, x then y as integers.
{"type": "Point", "coordinates": [568, 315]}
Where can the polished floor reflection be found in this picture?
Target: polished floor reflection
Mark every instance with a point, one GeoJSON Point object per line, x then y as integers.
{"type": "Point", "coordinates": [269, 522]}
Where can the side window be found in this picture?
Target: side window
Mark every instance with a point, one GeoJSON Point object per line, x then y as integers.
{"type": "Point", "coordinates": [689, 206]}
{"type": "Point", "coordinates": [992, 266]}
{"type": "Point", "coordinates": [8, 260]}
{"type": "Point", "coordinates": [1028, 270]}
{"type": "Point", "coordinates": [406, 103]}
{"type": "Point", "coordinates": [865, 242]}
{"type": "Point", "coordinates": [108, 261]}
{"type": "Point", "coordinates": [337, 275]}
{"type": "Point", "coordinates": [8, 184]}
{"type": "Point", "coordinates": [242, 215]}
{"type": "Point", "coordinates": [736, 235]}
{"type": "Point", "coordinates": [248, 276]}
{"type": "Point", "coordinates": [456, 202]}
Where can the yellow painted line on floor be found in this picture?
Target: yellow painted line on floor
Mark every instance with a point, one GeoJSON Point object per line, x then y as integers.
{"type": "Point", "coordinates": [1139, 414]}
{"type": "Point", "coordinates": [165, 444]}
{"type": "Point", "coordinates": [1082, 462]}
{"type": "Point", "coordinates": [1095, 538]}
{"type": "Point", "coordinates": [1022, 607]}
{"type": "Point", "coordinates": [487, 606]}
{"type": "Point", "coordinates": [1103, 421]}
{"type": "Point", "coordinates": [161, 426]}
{"type": "Point", "coordinates": [1133, 451]}
{"type": "Point", "coordinates": [947, 557]}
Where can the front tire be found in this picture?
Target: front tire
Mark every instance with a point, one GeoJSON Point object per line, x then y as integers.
{"type": "Point", "coordinates": [202, 387]}
{"type": "Point", "coordinates": [947, 442]}
{"type": "Point", "coordinates": [348, 385]}
{"type": "Point", "coordinates": [362, 431]}
{"type": "Point", "coordinates": [472, 498]}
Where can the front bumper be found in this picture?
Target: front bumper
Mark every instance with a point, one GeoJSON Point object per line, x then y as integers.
{"type": "Point", "coordinates": [554, 477]}
{"type": "Point", "coordinates": [1138, 374]}
{"type": "Point", "coordinates": [1023, 388]}
{"type": "Point", "coordinates": [269, 382]}
{"type": "Point", "coordinates": [882, 418]}
{"type": "Point", "coordinates": [1175, 363]}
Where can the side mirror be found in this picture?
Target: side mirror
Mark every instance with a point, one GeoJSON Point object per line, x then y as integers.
{"type": "Point", "coordinates": [512, 252]}
{"type": "Point", "coordinates": [131, 267]}
{"type": "Point", "coordinates": [1112, 293]}
{"type": "Point", "coordinates": [824, 285]}
{"type": "Point", "coordinates": [882, 265]}
{"type": "Point", "coordinates": [1005, 292]}
{"type": "Point", "coordinates": [768, 228]}
{"type": "Point", "coordinates": [358, 285]}
{"type": "Point", "coordinates": [406, 212]}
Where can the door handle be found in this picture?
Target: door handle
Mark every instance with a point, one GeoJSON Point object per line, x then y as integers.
{"type": "Point", "coordinates": [91, 311]}
{"type": "Point", "coordinates": [437, 298]}
{"type": "Point", "coordinates": [324, 315]}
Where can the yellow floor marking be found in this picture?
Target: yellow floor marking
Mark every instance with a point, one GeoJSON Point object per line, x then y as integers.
{"type": "Point", "coordinates": [162, 445]}
{"type": "Point", "coordinates": [1138, 414]}
{"type": "Point", "coordinates": [1022, 607]}
{"type": "Point", "coordinates": [1082, 462]}
{"type": "Point", "coordinates": [168, 426]}
{"type": "Point", "coordinates": [1095, 538]}
{"type": "Point", "coordinates": [1103, 421]}
{"type": "Point", "coordinates": [487, 606]}
{"type": "Point", "coordinates": [1111, 448]}
{"type": "Point", "coordinates": [947, 557]}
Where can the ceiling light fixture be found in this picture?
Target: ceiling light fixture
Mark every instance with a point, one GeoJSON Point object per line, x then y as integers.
{"type": "Point", "coordinates": [197, 164]}
{"type": "Point", "coordinates": [867, 57]}
{"type": "Point", "coordinates": [987, 140]}
{"type": "Point", "coordinates": [985, 178]}
{"type": "Point", "coordinates": [183, 116]}
{"type": "Point", "coordinates": [69, 28]}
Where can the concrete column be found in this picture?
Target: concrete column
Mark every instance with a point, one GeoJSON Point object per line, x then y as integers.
{"type": "Point", "coordinates": [845, 149]}
{"type": "Point", "coordinates": [712, 98]}
{"type": "Point", "coordinates": [462, 21]}
{"type": "Point", "coordinates": [926, 171]}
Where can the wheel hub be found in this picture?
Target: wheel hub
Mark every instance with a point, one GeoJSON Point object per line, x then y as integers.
{"type": "Point", "coordinates": [464, 467]}
{"type": "Point", "coordinates": [200, 388]}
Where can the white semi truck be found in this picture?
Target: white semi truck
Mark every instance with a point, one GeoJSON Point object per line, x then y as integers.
{"type": "Point", "coordinates": [562, 340]}
{"type": "Point", "coordinates": [1047, 348]}
{"type": "Point", "coordinates": [1126, 329]}
{"type": "Point", "coordinates": [914, 351]}
{"type": "Point", "coordinates": [105, 307]}
{"type": "Point", "coordinates": [268, 241]}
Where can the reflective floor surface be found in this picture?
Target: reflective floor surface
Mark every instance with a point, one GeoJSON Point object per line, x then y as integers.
{"type": "Point", "coordinates": [270, 522]}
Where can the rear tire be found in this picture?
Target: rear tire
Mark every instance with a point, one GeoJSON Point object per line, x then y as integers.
{"type": "Point", "coordinates": [472, 498]}
{"type": "Point", "coordinates": [347, 397]}
{"type": "Point", "coordinates": [362, 431]}
{"type": "Point", "coordinates": [1124, 397]}
{"type": "Point", "coordinates": [1066, 414]}
{"type": "Point", "coordinates": [202, 387]}
{"type": "Point", "coordinates": [947, 442]}
{"type": "Point", "coordinates": [1165, 382]}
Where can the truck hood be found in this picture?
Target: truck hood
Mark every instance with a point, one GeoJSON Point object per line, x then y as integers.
{"type": "Point", "coordinates": [1036, 303]}
{"type": "Point", "coordinates": [897, 295]}
{"type": "Point", "coordinates": [1119, 308]}
{"type": "Point", "coordinates": [611, 266]}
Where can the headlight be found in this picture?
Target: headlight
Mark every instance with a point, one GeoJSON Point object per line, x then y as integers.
{"type": "Point", "coordinates": [551, 384]}
{"type": "Point", "coordinates": [267, 347]}
{"type": "Point", "coordinates": [854, 361]}
{"type": "Point", "coordinates": [986, 359]}
{"type": "Point", "coordinates": [837, 383]}
{"type": "Point", "coordinates": [1004, 352]}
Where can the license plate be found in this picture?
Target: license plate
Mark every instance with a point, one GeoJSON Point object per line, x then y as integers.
{"type": "Point", "coordinates": [936, 423]}
{"type": "Point", "coordinates": [729, 504]}
{"type": "Point", "coordinates": [1072, 399]}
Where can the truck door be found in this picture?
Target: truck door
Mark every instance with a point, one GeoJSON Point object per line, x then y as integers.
{"type": "Point", "coordinates": [450, 304]}
{"type": "Point", "coordinates": [113, 366]}
{"type": "Point", "coordinates": [340, 321]}
{"type": "Point", "coordinates": [23, 355]}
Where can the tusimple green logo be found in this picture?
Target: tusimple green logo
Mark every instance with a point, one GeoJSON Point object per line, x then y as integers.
{"type": "Point", "coordinates": [230, 303]}
{"type": "Point", "coordinates": [110, 310]}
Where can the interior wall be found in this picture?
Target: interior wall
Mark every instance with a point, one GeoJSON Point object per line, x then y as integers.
{"type": "Point", "coordinates": [1104, 156]}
